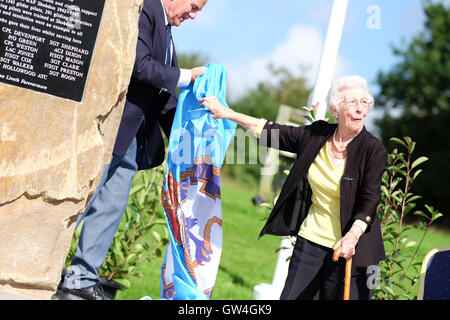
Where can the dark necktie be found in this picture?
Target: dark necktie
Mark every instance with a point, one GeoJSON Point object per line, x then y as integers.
{"type": "Point", "coordinates": [169, 45]}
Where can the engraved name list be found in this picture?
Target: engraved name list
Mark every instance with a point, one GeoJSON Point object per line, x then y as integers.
{"type": "Point", "coordinates": [47, 45]}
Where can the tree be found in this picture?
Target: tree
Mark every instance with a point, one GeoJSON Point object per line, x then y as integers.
{"type": "Point", "coordinates": [192, 60]}
{"type": "Point", "coordinates": [418, 88]}
{"type": "Point", "coordinates": [265, 99]}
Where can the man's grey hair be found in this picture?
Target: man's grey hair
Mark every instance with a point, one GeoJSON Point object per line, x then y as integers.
{"type": "Point", "coordinates": [346, 82]}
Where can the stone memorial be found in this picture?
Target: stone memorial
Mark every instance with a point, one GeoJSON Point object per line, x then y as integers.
{"type": "Point", "coordinates": [65, 66]}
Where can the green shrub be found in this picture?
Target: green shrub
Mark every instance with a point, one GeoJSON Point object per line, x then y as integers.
{"type": "Point", "coordinates": [400, 272]}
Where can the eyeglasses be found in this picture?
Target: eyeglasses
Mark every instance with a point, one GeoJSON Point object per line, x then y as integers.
{"type": "Point", "coordinates": [364, 102]}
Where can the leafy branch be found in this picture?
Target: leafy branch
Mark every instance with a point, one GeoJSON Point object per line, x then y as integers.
{"type": "Point", "coordinates": [397, 202]}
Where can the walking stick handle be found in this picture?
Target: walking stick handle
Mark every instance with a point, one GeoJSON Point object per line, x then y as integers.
{"type": "Point", "coordinates": [336, 253]}
{"type": "Point", "coordinates": [348, 271]}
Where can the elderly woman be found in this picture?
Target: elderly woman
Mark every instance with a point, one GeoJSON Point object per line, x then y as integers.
{"type": "Point", "coordinates": [330, 197]}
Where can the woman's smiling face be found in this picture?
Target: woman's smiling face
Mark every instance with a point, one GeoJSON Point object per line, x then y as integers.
{"type": "Point", "coordinates": [352, 110]}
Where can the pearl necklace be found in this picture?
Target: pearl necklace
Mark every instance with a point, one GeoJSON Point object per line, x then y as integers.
{"type": "Point", "coordinates": [339, 151]}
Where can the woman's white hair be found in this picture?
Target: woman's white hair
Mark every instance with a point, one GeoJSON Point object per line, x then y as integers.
{"type": "Point", "coordinates": [346, 82]}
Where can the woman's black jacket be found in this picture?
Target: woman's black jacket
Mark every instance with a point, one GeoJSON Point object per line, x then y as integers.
{"type": "Point", "coordinates": [359, 190]}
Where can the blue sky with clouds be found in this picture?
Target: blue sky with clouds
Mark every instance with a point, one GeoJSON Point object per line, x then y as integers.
{"type": "Point", "coordinates": [246, 35]}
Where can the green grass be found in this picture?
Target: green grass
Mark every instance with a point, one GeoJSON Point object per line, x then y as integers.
{"type": "Point", "coordinates": [435, 238]}
{"type": "Point", "coordinates": [245, 261]}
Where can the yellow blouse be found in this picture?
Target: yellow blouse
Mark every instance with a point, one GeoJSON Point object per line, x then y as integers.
{"type": "Point", "coordinates": [322, 224]}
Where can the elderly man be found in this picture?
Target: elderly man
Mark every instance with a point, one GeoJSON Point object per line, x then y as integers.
{"type": "Point", "coordinates": [150, 104]}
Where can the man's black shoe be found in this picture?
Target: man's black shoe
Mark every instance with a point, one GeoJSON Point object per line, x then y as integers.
{"type": "Point", "coordinates": [94, 292]}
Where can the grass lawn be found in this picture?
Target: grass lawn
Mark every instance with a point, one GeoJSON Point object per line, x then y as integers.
{"type": "Point", "coordinates": [435, 238]}
{"type": "Point", "coordinates": [246, 261]}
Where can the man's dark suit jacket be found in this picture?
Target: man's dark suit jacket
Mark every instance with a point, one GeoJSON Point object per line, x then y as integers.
{"type": "Point", "coordinates": [151, 99]}
{"type": "Point", "coordinates": [359, 188]}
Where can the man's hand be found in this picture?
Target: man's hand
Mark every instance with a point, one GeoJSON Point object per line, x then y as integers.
{"type": "Point", "coordinates": [195, 72]}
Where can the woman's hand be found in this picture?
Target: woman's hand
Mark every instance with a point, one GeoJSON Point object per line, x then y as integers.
{"type": "Point", "coordinates": [348, 246]}
{"type": "Point", "coordinates": [349, 242]}
{"type": "Point", "coordinates": [218, 111]}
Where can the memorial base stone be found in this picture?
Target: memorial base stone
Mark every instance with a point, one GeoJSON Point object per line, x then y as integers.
{"type": "Point", "coordinates": [54, 144]}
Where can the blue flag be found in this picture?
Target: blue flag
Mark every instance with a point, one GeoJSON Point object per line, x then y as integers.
{"type": "Point", "coordinates": [191, 190]}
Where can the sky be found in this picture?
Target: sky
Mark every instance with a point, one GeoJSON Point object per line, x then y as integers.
{"type": "Point", "coordinates": [246, 35]}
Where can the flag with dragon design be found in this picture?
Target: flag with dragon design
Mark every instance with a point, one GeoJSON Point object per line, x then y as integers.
{"type": "Point", "coordinates": [191, 190]}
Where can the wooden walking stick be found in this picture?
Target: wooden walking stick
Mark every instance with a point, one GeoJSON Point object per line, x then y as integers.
{"type": "Point", "coordinates": [348, 272]}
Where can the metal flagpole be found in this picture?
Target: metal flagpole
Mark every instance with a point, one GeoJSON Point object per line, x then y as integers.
{"type": "Point", "coordinates": [324, 78]}
{"type": "Point", "coordinates": [329, 57]}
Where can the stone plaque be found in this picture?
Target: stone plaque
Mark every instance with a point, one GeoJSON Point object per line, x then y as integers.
{"type": "Point", "coordinates": [47, 45]}
{"type": "Point", "coordinates": [53, 148]}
